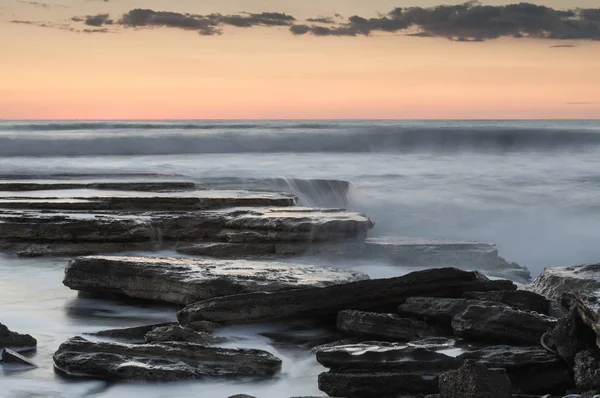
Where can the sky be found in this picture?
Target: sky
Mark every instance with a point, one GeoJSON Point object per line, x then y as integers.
{"type": "Point", "coordinates": [310, 59]}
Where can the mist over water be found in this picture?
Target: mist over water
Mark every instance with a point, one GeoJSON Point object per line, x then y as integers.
{"type": "Point", "coordinates": [533, 188]}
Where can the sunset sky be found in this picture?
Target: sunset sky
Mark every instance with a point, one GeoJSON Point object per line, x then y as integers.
{"type": "Point", "coordinates": [64, 59]}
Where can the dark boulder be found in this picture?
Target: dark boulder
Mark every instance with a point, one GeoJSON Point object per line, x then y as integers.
{"type": "Point", "coordinates": [518, 299]}
{"type": "Point", "coordinates": [571, 336]}
{"type": "Point", "coordinates": [587, 370]}
{"type": "Point", "coordinates": [14, 339]}
{"type": "Point", "coordinates": [474, 380]}
{"type": "Point", "coordinates": [438, 310]}
{"type": "Point", "coordinates": [178, 333]}
{"type": "Point", "coordinates": [10, 356]}
{"type": "Point", "coordinates": [383, 326]}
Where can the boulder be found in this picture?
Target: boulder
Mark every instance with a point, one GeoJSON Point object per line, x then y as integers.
{"type": "Point", "coordinates": [531, 369]}
{"type": "Point", "coordinates": [587, 370]}
{"type": "Point", "coordinates": [133, 333]}
{"type": "Point", "coordinates": [178, 333]}
{"type": "Point", "coordinates": [474, 380]}
{"type": "Point", "coordinates": [502, 324]}
{"type": "Point", "coordinates": [382, 326]}
{"type": "Point", "coordinates": [14, 339]}
{"type": "Point", "coordinates": [588, 306]}
{"type": "Point", "coordinates": [438, 310]}
{"type": "Point", "coordinates": [185, 281]}
{"type": "Point", "coordinates": [376, 369]}
{"type": "Point", "coordinates": [161, 361]}
{"type": "Point", "coordinates": [571, 336]}
{"type": "Point", "coordinates": [9, 356]}
{"type": "Point", "coordinates": [519, 299]}
{"type": "Point", "coordinates": [379, 295]}
{"type": "Point", "coordinates": [553, 282]}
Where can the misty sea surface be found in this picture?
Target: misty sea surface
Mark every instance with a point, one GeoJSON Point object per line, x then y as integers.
{"type": "Point", "coordinates": [531, 187]}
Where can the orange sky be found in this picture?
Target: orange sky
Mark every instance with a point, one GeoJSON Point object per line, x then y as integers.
{"type": "Point", "coordinates": [49, 73]}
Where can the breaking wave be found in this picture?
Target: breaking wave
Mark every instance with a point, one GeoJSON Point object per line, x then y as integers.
{"type": "Point", "coordinates": [100, 138]}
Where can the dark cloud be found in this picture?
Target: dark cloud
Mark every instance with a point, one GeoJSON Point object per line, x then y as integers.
{"type": "Point", "coordinates": [324, 20]}
{"type": "Point", "coordinates": [98, 20]}
{"type": "Point", "coordinates": [249, 20]}
{"type": "Point", "coordinates": [44, 25]}
{"type": "Point", "coordinates": [563, 46]}
{"type": "Point", "coordinates": [473, 21]}
{"type": "Point", "coordinates": [35, 3]}
{"type": "Point", "coordinates": [102, 30]}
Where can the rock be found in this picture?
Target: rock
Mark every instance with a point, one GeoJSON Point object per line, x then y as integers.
{"type": "Point", "coordinates": [227, 250]}
{"type": "Point", "coordinates": [379, 295]}
{"type": "Point", "coordinates": [382, 326]}
{"type": "Point", "coordinates": [14, 339]}
{"type": "Point", "coordinates": [587, 370]}
{"type": "Point", "coordinates": [241, 396]}
{"type": "Point", "coordinates": [588, 306]}
{"type": "Point", "coordinates": [433, 343]}
{"type": "Point", "coordinates": [375, 369]}
{"type": "Point", "coordinates": [9, 356]}
{"type": "Point", "coordinates": [184, 281]}
{"type": "Point", "coordinates": [518, 299]}
{"type": "Point", "coordinates": [203, 326]}
{"type": "Point", "coordinates": [438, 310]}
{"type": "Point", "coordinates": [553, 282]}
{"type": "Point", "coordinates": [32, 249]}
{"type": "Point", "coordinates": [142, 186]}
{"type": "Point", "coordinates": [531, 369]}
{"type": "Point", "coordinates": [161, 361]}
{"type": "Point", "coordinates": [474, 380]}
{"type": "Point", "coordinates": [377, 356]}
{"type": "Point", "coordinates": [571, 336]}
{"type": "Point", "coordinates": [502, 324]}
{"type": "Point", "coordinates": [133, 333]}
{"type": "Point", "coordinates": [178, 333]}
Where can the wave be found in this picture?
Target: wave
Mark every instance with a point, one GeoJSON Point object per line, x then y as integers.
{"type": "Point", "coordinates": [380, 139]}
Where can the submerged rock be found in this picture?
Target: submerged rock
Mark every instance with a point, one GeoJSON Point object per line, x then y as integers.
{"type": "Point", "coordinates": [161, 361]}
{"type": "Point", "coordinates": [133, 333]}
{"type": "Point", "coordinates": [184, 281]}
{"type": "Point", "coordinates": [531, 369]}
{"type": "Point", "coordinates": [553, 282]}
{"type": "Point", "coordinates": [438, 310]}
{"type": "Point", "coordinates": [382, 326]}
{"type": "Point", "coordinates": [502, 324]}
{"type": "Point", "coordinates": [518, 299]}
{"type": "Point", "coordinates": [9, 356]}
{"type": "Point", "coordinates": [10, 339]}
{"type": "Point", "coordinates": [379, 295]}
{"type": "Point", "coordinates": [227, 250]}
{"type": "Point", "coordinates": [474, 380]}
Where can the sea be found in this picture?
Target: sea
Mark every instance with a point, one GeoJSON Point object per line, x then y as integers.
{"type": "Point", "coordinates": [531, 187]}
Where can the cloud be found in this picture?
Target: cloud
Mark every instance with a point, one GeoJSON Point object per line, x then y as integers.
{"type": "Point", "coordinates": [98, 20]}
{"type": "Point", "coordinates": [563, 46]}
{"type": "Point", "coordinates": [324, 20]}
{"type": "Point", "coordinates": [35, 3]}
{"type": "Point", "coordinates": [473, 21]}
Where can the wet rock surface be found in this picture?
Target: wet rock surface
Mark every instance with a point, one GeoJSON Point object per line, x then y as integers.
{"type": "Point", "coordinates": [184, 281]}
{"type": "Point", "coordinates": [519, 299]}
{"type": "Point", "coordinates": [502, 324]}
{"type": "Point", "coordinates": [588, 306]}
{"type": "Point", "coordinates": [161, 361]}
{"type": "Point", "coordinates": [571, 336]}
{"type": "Point", "coordinates": [178, 333]}
{"type": "Point", "coordinates": [380, 294]}
{"type": "Point", "coordinates": [10, 339]}
{"type": "Point", "coordinates": [132, 333]}
{"type": "Point", "coordinates": [531, 369]}
{"type": "Point", "coordinates": [438, 310]}
{"type": "Point", "coordinates": [382, 326]}
{"type": "Point", "coordinates": [555, 281]}
{"type": "Point", "coordinates": [474, 380]}
{"type": "Point", "coordinates": [12, 357]}
{"type": "Point", "coordinates": [587, 370]}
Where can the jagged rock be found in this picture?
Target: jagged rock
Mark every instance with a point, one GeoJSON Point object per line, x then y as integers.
{"type": "Point", "coordinates": [587, 370]}
{"type": "Point", "coordinates": [14, 339]}
{"type": "Point", "coordinates": [178, 333]}
{"type": "Point", "coordinates": [382, 326]}
{"type": "Point", "coordinates": [242, 396]}
{"type": "Point", "coordinates": [379, 295]}
{"type": "Point", "coordinates": [438, 310]}
{"type": "Point", "coordinates": [376, 369]}
{"type": "Point", "coordinates": [9, 356]}
{"type": "Point", "coordinates": [474, 380]}
{"type": "Point", "coordinates": [184, 281]}
{"type": "Point", "coordinates": [553, 282]}
{"type": "Point", "coordinates": [519, 299]}
{"type": "Point", "coordinates": [588, 306]}
{"type": "Point", "coordinates": [203, 326]}
{"type": "Point", "coordinates": [31, 249]}
{"type": "Point", "coordinates": [502, 324]}
{"type": "Point", "coordinates": [133, 333]}
{"type": "Point", "coordinates": [433, 343]}
{"type": "Point", "coordinates": [571, 336]}
{"type": "Point", "coordinates": [531, 369]}
{"type": "Point", "coordinates": [161, 361]}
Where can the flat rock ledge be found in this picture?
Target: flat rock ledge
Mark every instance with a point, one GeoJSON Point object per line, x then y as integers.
{"type": "Point", "coordinates": [9, 339]}
{"type": "Point", "coordinates": [383, 295]}
{"type": "Point", "coordinates": [169, 361]}
{"type": "Point", "coordinates": [554, 282]}
{"type": "Point", "coordinates": [383, 326]}
{"type": "Point", "coordinates": [185, 281]}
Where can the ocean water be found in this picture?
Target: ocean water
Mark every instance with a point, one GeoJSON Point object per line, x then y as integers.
{"type": "Point", "coordinates": [531, 187]}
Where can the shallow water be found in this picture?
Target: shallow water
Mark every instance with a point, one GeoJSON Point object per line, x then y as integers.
{"type": "Point", "coordinates": [530, 187]}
